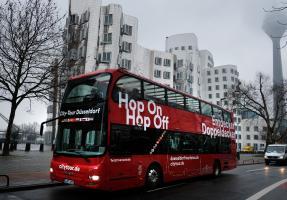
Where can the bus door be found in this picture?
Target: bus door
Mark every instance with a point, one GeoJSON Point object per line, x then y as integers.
{"type": "Point", "coordinates": [176, 163]}
{"type": "Point", "coordinates": [191, 156]}
{"type": "Point", "coordinates": [122, 168]}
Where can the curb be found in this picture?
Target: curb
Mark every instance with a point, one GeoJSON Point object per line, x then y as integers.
{"type": "Point", "coordinates": [29, 187]}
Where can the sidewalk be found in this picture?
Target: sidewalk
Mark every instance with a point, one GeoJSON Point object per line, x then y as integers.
{"type": "Point", "coordinates": [26, 168]}
{"type": "Point", "coordinates": [250, 159]}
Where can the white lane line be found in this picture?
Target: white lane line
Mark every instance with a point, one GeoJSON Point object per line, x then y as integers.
{"type": "Point", "coordinates": [162, 188]}
{"type": "Point", "coordinates": [254, 170]}
{"type": "Point", "coordinates": [261, 193]}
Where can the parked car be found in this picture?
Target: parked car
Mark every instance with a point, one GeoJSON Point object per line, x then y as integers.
{"type": "Point", "coordinates": [276, 153]}
{"type": "Point", "coordinates": [247, 149]}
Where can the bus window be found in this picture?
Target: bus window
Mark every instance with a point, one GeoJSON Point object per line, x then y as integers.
{"type": "Point", "coordinates": [175, 99]}
{"type": "Point", "coordinates": [190, 143]}
{"type": "Point", "coordinates": [217, 113]}
{"type": "Point", "coordinates": [154, 93]}
{"type": "Point", "coordinates": [206, 109]}
{"type": "Point", "coordinates": [87, 90]}
{"type": "Point", "coordinates": [192, 104]}
{"type": "Point", "coordinates": [128, 85]}
{"type": "Point", "coordinates": [174, 143]}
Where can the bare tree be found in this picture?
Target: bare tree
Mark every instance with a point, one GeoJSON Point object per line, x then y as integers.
{"type": "Point", "coordinates": [258, 98]}
{"type": "Point", "coordinates": [30, 39]}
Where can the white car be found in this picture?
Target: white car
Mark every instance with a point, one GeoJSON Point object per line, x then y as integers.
{"type": "Point", "coordinates": [276, 153]}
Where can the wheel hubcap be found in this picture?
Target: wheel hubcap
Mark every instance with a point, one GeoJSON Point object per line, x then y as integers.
{"type": "Point", "coordinates": [153, 176]}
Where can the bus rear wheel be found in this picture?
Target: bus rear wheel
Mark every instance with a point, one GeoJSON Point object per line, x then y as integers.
{"type": "Point", "coordinates": [216, 169]}
{"type": "Point", "coordinates": [153, 177]}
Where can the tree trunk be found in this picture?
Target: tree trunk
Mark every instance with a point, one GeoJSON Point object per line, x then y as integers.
{"type": "Point", "coordinates": [9, 130]}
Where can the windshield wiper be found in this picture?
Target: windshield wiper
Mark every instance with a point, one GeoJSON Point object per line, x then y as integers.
{"type": "Point", "coordinates": [79, 153]}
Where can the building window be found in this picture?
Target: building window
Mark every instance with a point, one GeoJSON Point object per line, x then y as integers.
{"type": "Point", "coordinates": [210, 96]}
{"type": "Point", "coordinates": [231, 70]}
{"type": "Point", "coordinates": [263, 137]}
{"type": "Point", "coordinates": [107, 56]}
{"type": "Point", "coordinates": [217, 87]}
{"type": "Point", "coordinates": [224, 78]}
{"type": "Point", "coordinates": [232, 86]}
{"type": "Point", "coordinates": [179, 75]}
{"type": "Point", "coordinates": [127, 30]}
{"type": "Point", "coordinates": [217, 95]}
{"type": "Point", "coordinates": [232, 79]}
{"type": "Point", "coordinates": [183, 48]}
{"type": "Point", "coordinates": [256, 137]}
{"type": "Point", "coordinates": [126, 47]}
{"type": "Point", "coordinates": [256, 128]}
{"type": "Point", "coordinates": [223, 70]}
{"type": "Point", "coordinates": [208, 73]}
{"type": "Point", "coordinates": [209, 80]}
{"type": "Point", "coordinates": [170, 50]}
{"type": "Point", "coordinates": [166, 75]}
{"type": "Point", "coordinates": [216, 71]}
{"type": "Point", "coordinates": [108, 19]}
{"type": "Point", "coordinates": [225, 103]}
{"type": "Point", "coordinates": [157, 60]}
{"type": "Point", "coordinates": [166, 62]}
{"type": "Point", "coordinates": [189, 47]}
{"type": "Point", "coordinates": [107, 38]}
{"type": "Point", "coordinates": [176, 48]}
{"type": "Point", "coordinates": [216, 79]}
{"type": "Point", "coordinates": [224, 86]}
{"type": "Point", "coordinates": [126, 64]}
{"type": "Point", "coordinates": [264, 128]}
{"type": "Point", "coordinates": [248, 137]}
{"type": "Point", "coordinates": [225, 94]}
{"type": "Point", "coordinates": [157, 73]}
{"type": "Point", "coordinates": [247, 128]}
{"type": "Point", "coordinates": [209, 88]}
{"type": "Point", "coordinates": [179, 63]}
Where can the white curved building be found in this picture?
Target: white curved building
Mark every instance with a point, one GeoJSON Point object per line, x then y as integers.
{"type": "Point", "coordinates": [187, 69]}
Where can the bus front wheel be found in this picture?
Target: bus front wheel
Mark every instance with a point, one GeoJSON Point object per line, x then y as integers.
{"type": "Point", "coordinates": [153, 177]}
{"type": "Point", "coordinates": [216, 169]}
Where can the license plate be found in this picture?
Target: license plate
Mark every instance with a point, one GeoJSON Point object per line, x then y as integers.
{"type": "Point", "coordinates": [70, 182]}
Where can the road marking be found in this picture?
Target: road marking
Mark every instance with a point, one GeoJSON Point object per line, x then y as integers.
{"type": "Point", "coordinates": [254, 170]}
{"type": "Point", "coordinates": [162, 188]}
{"type": "Point", "coordinates": [261, 193]}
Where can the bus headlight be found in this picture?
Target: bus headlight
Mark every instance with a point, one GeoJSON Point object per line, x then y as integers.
{"type": "Point", "coordinates": [51, 170]}
{"type": "Point", "coordinates": [94, 178]}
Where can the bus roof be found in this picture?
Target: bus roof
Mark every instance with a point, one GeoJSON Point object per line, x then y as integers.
{"type": "Point", "coordinates": [124, 71]}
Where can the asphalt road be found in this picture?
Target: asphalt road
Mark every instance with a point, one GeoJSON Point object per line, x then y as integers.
{"type": "Point", "coordinates": [246, 182]}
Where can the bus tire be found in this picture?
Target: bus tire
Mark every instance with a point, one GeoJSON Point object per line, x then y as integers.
{"type": "Point", "coordinates": [154, 177]}
{"type": "Point", "coordinates": [216, 169]}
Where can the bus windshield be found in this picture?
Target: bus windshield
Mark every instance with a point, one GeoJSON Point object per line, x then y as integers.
{"type": "Point", "coordinates": [87, 90]}
{"type": "Point", "coordinates": [81, 139]}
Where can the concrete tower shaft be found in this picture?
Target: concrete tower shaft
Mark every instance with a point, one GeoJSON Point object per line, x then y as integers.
{"type": "Point", "coordinates": [274, 27]}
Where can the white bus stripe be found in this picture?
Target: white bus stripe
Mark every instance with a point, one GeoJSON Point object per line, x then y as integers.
{"type": "Point", "coordinates": [261, 193]}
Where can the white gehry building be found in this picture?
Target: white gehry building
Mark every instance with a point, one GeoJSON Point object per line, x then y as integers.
{"type": "Point", "coordinates": [103, 37]}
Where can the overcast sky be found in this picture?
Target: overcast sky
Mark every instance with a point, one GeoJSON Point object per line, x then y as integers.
{"type": "Point", "coordinates": [229, 29]}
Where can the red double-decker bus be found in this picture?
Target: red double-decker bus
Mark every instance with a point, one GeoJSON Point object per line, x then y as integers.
{"type": "Point", "coordinates": [118, 130]}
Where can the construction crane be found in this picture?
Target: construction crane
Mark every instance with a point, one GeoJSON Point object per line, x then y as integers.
{"type": "Point", "coordinates": [15, 128]}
